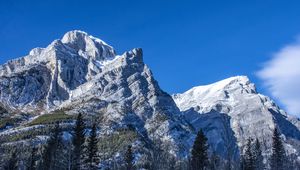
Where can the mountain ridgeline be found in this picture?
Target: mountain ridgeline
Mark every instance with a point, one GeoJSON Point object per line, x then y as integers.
{"type": "Point", "coordinates": [118, 93]}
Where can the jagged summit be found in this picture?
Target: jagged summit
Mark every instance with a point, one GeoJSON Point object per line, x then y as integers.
{"type": "Point", "coordinates": [78, 35]}
{"type": "Point", "coordinates": [61, 68]}
{"type": "Point", "coordinates": [94, 47]}
{"type": "Point", "coordinates": [74, 45]}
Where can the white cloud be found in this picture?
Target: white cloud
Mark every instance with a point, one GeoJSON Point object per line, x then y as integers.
{"type": "Point", "coordinates": [281, 76]}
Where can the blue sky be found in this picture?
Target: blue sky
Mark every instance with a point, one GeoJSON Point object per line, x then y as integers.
{"type": "Point", "coordinates": [186, 43]}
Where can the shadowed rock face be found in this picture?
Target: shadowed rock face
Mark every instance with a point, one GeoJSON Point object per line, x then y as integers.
{"type": "Point", "coordinates": [30, 86]}
{"type": "Point", "coordinates": [217, 128]}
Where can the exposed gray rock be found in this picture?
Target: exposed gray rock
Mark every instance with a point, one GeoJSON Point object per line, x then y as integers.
{"type": "Point", "coordinates": [83, 74]}
{"type": "Point", "coordinates": [249, 114]}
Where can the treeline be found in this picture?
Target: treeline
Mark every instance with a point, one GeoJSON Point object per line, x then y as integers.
{"type": "Point", "coordinates": [59, 153]}
{"type": "Point", "coordinates": [80, 151]}
{"type": "Point", "coordinates": [251, 157]}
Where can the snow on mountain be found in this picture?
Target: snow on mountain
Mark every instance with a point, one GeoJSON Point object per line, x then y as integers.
{"type": "Point", "coordinates": [235, 104]}
{"type": "Point", "coordinates": [81, 73]}
{"type": "Point", "coordinates": [47, 75]}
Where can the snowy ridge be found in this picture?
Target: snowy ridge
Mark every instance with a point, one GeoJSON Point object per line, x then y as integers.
{"type": "Point", "coordinates": [204, 96]}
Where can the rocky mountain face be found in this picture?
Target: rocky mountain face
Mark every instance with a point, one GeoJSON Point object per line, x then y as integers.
{"type": "Point", "coordinates": [47, 76]}
{"type": "Point", "coordinates": [80, 73]}
{"type": "Point", "coordinates": [231, 111]}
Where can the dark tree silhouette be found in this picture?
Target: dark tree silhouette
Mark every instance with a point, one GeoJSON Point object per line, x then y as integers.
{"type": "Point", "coordinates": [258, 158]}
{"type": "Point", "coordinates": [278, 157]}
{"type": "Point", "coordinates": [249, 157]}
{"type": "Point", "coordinates": [199, 158]}
{"type": "Point", "coordinates": [92, 149]}
{"type": "Point", "coordinates": [78, 142]}
{"type": "Point", "coordinates": [51, 150]}
{"type": "Point", "coordinates": [12, 162]}
{"type": "Point", "coordinates": [129, 158]}
{"type": "Point", "coordinates": [33, 159]}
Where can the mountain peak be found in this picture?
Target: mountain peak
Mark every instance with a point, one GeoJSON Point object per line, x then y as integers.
{"type": "Point", "coordinates": [244, 80]}
{"type": "Point", "coordinates": [248, 114]}
{"type": "Point", "coordinates": [224, 90]}
{"type": "Point", "coordinates": [78, 35]}
{"type": "Point", "coordinates": [240, 78]}
{"type": "Point", "coordinates": [82, 41]}
{"type": "Point", "coordinates": [229, 83]}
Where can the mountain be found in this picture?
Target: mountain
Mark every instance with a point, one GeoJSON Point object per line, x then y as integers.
{"type": "Point", "coordinates": [82, 74]}
{"type": "Point", "coordinates": [49, 75]}
{"type": "Point", "coordinates": [231, 111]}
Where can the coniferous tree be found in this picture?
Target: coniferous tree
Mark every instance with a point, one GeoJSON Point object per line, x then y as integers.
{"type": "Point", "coordinates": [92, 149]}
{"type": "Point", "coordinates": [258, 158]}
{"type": "Point", "coordinates": [129, 158]}
{"type": "Point", "coordinates": [242, 162]}
{"type": "Point", "coordinates": [52, 150]}
{"type": "Point", "coordinates": [33, 159]}
{"type": "Point", "coordinates": [249, 157]}
{"type": "Point", "coordinates": [278, 156]}
{"type": "Point", "coordinates": [12, 162]}
{"type": "Point", "coordinates": [199, 158]}
{"type": "Point", "coordinates": [78, 142]}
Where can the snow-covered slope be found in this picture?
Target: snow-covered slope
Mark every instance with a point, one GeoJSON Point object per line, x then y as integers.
{"type": "Point", "coordinates": [235, 104]}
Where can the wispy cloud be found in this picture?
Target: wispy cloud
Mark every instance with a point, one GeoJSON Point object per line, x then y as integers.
{"type": "Point", "coordinates": [281, 76]}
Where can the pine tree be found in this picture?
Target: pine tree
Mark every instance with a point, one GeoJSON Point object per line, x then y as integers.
{"type": "Point", "coordinates": [78, 142]}
{"type": "Point", "coordinates": [12, 162]}
{"type": "Point", "coordinates": [129, 158]}
{"type": "Point", "coordinates": [33, 159]}
{"type": "Point", "coordinates": [199, 158]}
{"type": "Point", "coordinates": [242, 162]}
{"type": "Point", "coordinates": [92, 149]}
{"type": "Point", "coordinates": [258, 158]}
{"type": "Point", "coordinates": [248, 157]}
{"type": "Point", "coordinates": [278, 156]}
{"type": "Point", "coordinates": [52, 150]}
